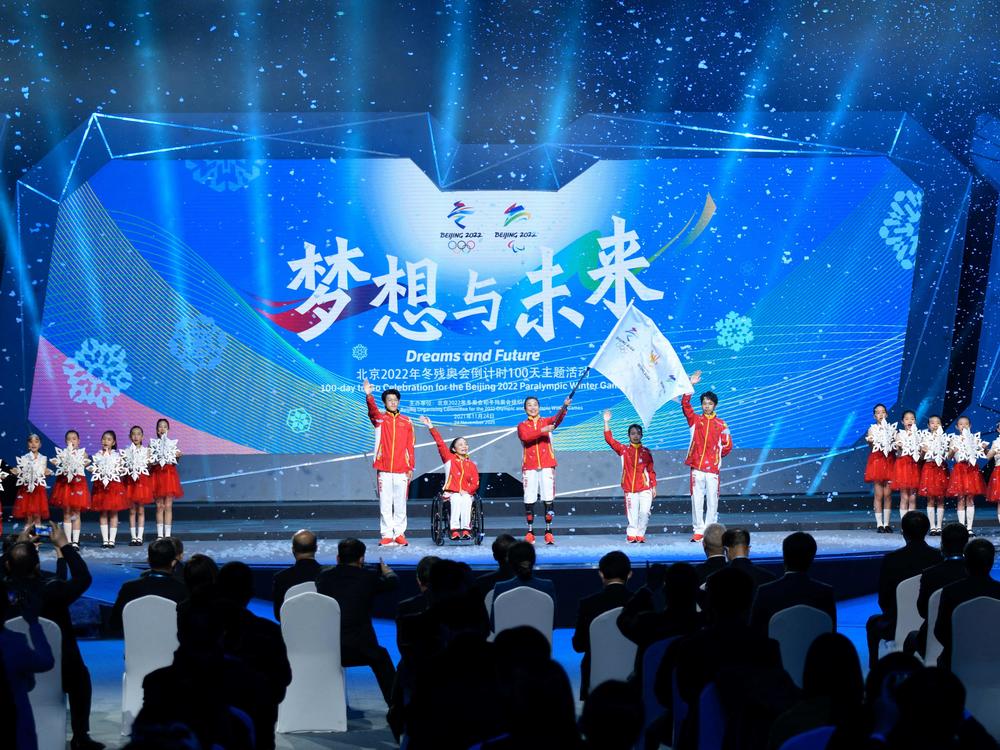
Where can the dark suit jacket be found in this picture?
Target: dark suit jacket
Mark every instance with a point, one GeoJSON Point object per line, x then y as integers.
{"type": "Point", "coordinates": [610, 597]}
{"type": "Point", "coordinates": [150, 583]}
{"type": "Point", "coordinates": [934, 578]}
{"type": "Point", "coordinates": [487, 581]}
{"type": "Point", "coordinates": [541, 584]}
{"type": "Point", "coordinates": [897, 566]}
{"type": "Point", "coordinates": [301, 572]}
{"type": "Point", "coordinates": [711, 565]}
{"type": "Point", "coordinates": [355, 590]}
{"type": "Point", "coordinates": [953, 595]}
{"type": "Point", "coordinates": [759, 575]}
{"type": "Point", "coordinates": [791, 590]}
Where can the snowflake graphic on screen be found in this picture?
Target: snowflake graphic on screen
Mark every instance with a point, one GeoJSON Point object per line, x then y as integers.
{"type": "Point", "coordinates": [900, 228]}
{"type": "Point", "coordinates": [197, 343]}
{"type": "Point", "coordinates": [298, 420]}
{"type": "Point", "coordinates": [97, 373]}
{"type": "Point", "coordinates": [359, 352]}
{"type": "Point", "coordinates": [224, 174]}
{"type": "Point", "coordinates": [734, 331]}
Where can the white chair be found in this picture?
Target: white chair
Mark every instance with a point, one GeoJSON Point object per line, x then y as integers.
{"type": "Point", "coordinates": [488, 602]}
{"type": "Point", "coordinates": [150, 626]}
{"type": "Point", "coordinates": [908, 618]}
{"type": "Point", "coordinates": [711, 720]}
{"type": "Point", "coordinates": [933, 649]}
{"type": "Point", "coordinates": [524, 606]}
{"type": "Point", "coordinates": [612, 655]}
{"type": "Point", "coordinates": [299, 588]}
{"type": "Point", "coordinates": [316, 699]}
{"type": "Point", "coordinates": [975, 658]}
{"type": "Point", "coordinates": [48, 701]}
{"type": "Point", "coordinates": [795, 629]}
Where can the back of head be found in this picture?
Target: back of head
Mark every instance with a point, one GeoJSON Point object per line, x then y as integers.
{"type": "Point", "coordinates": [612, 717]}
{"type": "Point", "coordinates": [524, 683]}
{"type": "Point", "coordinates": [832, 668]}
{"type": "Point", "coordinates": [681, 584]}
{"type": "Point", "coordinates": [178, 545]}
{"type": "Point", "coordinates": [161, 554]}
{"type": "Point", "coordinates": [730, 594]}
{"type": "Point", "coordinates": [954, 537]}
{"type": "Point", "coordinates": [929, 692]}
{"type": "Point", "coordinates": [915, 526]}
{"type": "Point", "coordinates": [798, 550]}
{"type": "Point", "coordinates": [712, 539]}
{"type": "Point", "coordinates": [521, 559]}
{"type": "Point", "coordinates": [523, 643]}
{"type": "Point", "coordinates": [350, 551]}
{"type": "Point", "coordinates": [736, 538]}
{"type": "Point", "coordinates": [304, 544]}
{"type": "Point", "coordinates": [979, 556]}
{"type": "Point", "coordinates": [22, 560]}
{"type": "Point", "coordinates": [893, 667]}
{"type": "Point", "coordinates": [236, 582]}
{"type": "Point", "coordinates": [615, 566]}
{"type": "Point", "coordinates": [424, 566]}
{"type": "Point", "coordinates": [446, 578]}
{"type": "Point", "coordinates": [500, 546]}
{"type": "Point", "coordinates": [200, 570]}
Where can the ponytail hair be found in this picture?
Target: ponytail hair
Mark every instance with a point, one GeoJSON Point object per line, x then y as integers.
{"type": "Point", "coordinates": [521, 559]}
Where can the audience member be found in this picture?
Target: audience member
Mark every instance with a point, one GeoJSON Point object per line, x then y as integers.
{"type": "Point", "coordinates": [419, 603]}
{"type": "Point", "coordinates": [521, 559]}
{"type": "Point", "coordinates": [979, 555]}
{"type": "Point", "coordinates": [487, 581]}
{"type": "Point", "coordinates": [178, 557]}
{"type": "Point", "coordinates": [355, 588]}
{"type": "Point", "coordinates": [954, 537]}
{"type": "Point", "coordinates": [612, 717]}
{"type": "Point", "coordinates": [795, 586]}
{"type": "Point", "coordinates": [304, 570]}
{"type": "Point", "coordinates": [199, 571]}
{"type": "Point", "coordinates": [715, 553]}
{"type": "Point", "coordinates": [157, 581]}
{"type": "Point", "coordinates": [736, 542]}
{"type": "Point", "coordinates": [614, 569]}
{"type": "Point", "coordinates": [910, 560]}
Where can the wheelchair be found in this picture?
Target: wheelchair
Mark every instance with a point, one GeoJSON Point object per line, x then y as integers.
{"type": "Point", "coordinates": [441, 521]}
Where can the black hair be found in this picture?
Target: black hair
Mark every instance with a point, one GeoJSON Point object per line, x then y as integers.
{"type": "Point", "coordinates": [729, 594]}
{"type": "Point", "coordinates": [71, 432]}
{"type": "Point", "coordinates": [979, 556]}
{"type": "Point", "coordinates": [500, 546]}
{"type": "Point", "coordinates": [961, 417]}
{"type": "Point", "coordinates": [736, 538]}
{"type": "Point", "coordinates": [236, 582]}
{"type": "Point", "coordinates": [710, 395]}
{"type": "Point", "coordinates": [391, 392]}
{"type": "Point", "coordinates": [612, 717]}
{"type": "Point", "coordinates": [954, 537]}
{"type": "Point", "coordinates": [161, 553]}
{"type": "Point", "coordinates": [832, 669]}
{"type": "Point", "coordinates": [350, 550]}
{"type": "Point", "coordinates": [521, 559]}
{"type": "Point", "coordinates": [636, 426]}
{"type": "Point", "coordinates": [615, 564]}
{"type": "Point", "coordinates": [915, 525]}
{"type": "Point", "coordinates": [424, 567]}
{"type": "Point", "coordinates": [681, 582]}
{"type": "Point", "coordinates": [909, 411]}
{"type": "Point", "coordinates": [178, 545]}
{"type": "Point", "coordinates": [452, 446]}
{"type": "Point", "coordinates": [877, 406]}
{"type": "Point", "coordinates": [199, 571]}
{"type": "Point", "coordinates": [114, 437]}
{"type": "Point", "coordinates": [530, 398]}
{"type": "Point", "coordinates": [136, 427]}
{"type": "Point", "coordinates": [935, 416]}
{"type": "Point", "coordinates": [22, 560]}
{"type": "Point", "coordinates": [164, 420]}
{"type": "Point", "coordinates": [798, 550]}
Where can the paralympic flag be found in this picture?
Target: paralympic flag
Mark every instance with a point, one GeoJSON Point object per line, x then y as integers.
{"type": "Point", "coordinates": [640, 361]}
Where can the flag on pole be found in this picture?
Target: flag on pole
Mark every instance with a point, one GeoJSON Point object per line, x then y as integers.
{"type": "Point", "coordinates": [640, 361]}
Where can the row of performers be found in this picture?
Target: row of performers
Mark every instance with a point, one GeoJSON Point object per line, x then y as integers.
{"type": "Point", "coordinates": [915, 462]}
{"type": "Point", "coordinates": [128, 479]}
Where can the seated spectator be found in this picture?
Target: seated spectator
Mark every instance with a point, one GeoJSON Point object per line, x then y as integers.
{"type": "Point", "coordinates": [736, 542]}
{"type": "Point", "coordinates": [910, 560]}
{"type": "Point", "coordinates": [795, 586]}
{"type": "Point", "coordinates": [954, 537]}
{"type": "Point", "coordinates": [832, 690]}
{"type": "Point", "coordinates": [179, 564]}
{"type": "Point", "coordinates": [199, 571]}
{"type": "Point", "coordinates": [715, 553]}
{"type": "Point", "coordinates": [979, 556]}
{"type": "Point", "coordinates": [415, 604]}
{"type": "Point", "coordinates": [612, 717]}
{"type": "Point", "coordinates": [304, 570]}
{"type": "Point", "coordinates": [614, 569]}
{"type": "Point", "coordinates": [159, 580]}
{"type": "Point", "coordinates": [487, 581]}
{"type": "Point", "coordinates": [355, 588]}
{"type": "Point", "coordinates": [521, 559]}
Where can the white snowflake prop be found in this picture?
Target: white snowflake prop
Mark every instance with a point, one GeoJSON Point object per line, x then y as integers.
{"type": "Point", "coordinates": [3, 475]}
{"type": "Point", "coordinates": [883, 437]}
{"type": "Point", "coordinates": [935, 446]}
{"type": "Point", "coordinates": [995, 448]}
{"type": "Point", "coordinates": [31, 471]}
{"type": "Point", "coordinates": [968, 447]}
{"type": "Point", "coordinates": [734, 331]}
{"type": "Point", "coordinates": [135, 460]}
{"type": "Point", "coordinates": [909, 443]}
{"type": "Point", "coordinates": [163, 451]}
{"type": "Point", "coordinates": [107, 468]}
{"type": "Point", "coordinates": [70, 462]}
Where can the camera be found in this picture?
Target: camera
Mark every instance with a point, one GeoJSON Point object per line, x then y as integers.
{"type": "Point", "coordinates": [43, 531]}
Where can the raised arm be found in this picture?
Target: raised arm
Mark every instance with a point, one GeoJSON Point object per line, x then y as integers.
{"type": "Point", "coordinates": [615, 445]}
{"type": "Point", "coordinates": [443, 449]}
{"type": "Point", "coordinates": [561, 414]}
{"type": "Point", "coordinates": [373, 412]}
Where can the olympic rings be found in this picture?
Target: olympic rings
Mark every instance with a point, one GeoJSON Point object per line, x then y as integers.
{"type": "Point", "coordinates": [462, 246]}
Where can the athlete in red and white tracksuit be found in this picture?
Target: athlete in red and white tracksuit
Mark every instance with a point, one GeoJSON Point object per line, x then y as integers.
{"type": "Point", "coordinates": [393, 462]}
{"type": "Point", "coordinates": [461, 481]}
{"type": "Point", "coordinates": [638, 479]}
{"type": "Point", "coordinates": [538, 463]}
{"type": "Point", "coordinates": [710, 442]}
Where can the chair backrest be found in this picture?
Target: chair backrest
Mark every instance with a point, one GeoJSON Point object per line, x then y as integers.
{"type": "Point", "coordinates": [651, 659]}
{"type": "Point", "coordinates": [524, 606]}
{"type": "Point", "coordinates": [488, 601]}
{"type": "Point", "coordinates": [150, 626]}
{"type": "Point", "coordinates": [316, 699]}
{"type": "Point", "coordinates": [48, 701]}
{"type": "Point", "coordinates": [908, 618]}
{"type": "Point", "coordinates": [300, 588]}
{"type": "Point", "coordinates": [933, 649]}
{"type": "Point", "coordinates": [612, 655]}
{"type": "Point", "coordinates": [975, 658]}
{"type": "Point", "coordinates": [795, 629]}
{"type": "Point", "coordinates": [711, 720]}
{"type": "Point", "coordinates": [814, 739]}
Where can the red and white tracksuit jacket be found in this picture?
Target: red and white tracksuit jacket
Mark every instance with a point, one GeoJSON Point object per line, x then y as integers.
{"type": "Point", "coordinates": [638, 473]}
{"type": "Point", "coordinates": [537, 445]}
{"type": "Point", "coordinates": [393, 439]}
{"type": "Point", "coordinates": [710, 439]}
{"type": "Point", "coordinates": [460, 474]}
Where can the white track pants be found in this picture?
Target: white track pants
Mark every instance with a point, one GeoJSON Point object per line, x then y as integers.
{"type": "Point", "coordinates": [539, 481]}
{"type": "Point", "coordinates": [637, 507]}
{"type": "Point", "coordinates": [704, 499]}
{"type": "Point", "coordinates": [392, 504]}
{"type": "Point", "coordinates": [461, 510]}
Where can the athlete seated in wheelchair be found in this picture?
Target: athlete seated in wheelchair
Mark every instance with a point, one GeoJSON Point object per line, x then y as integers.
{"type": "Point", "coordinates": [456, 505]}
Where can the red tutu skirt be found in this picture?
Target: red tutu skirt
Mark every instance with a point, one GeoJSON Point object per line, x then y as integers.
{"type": "Point", "coordinates": [879, 467]}
{"type": "Point", "coordinates": [966, 480]}
{"type": "Point", "coordinates": [139, 491]}
{"type": "Point", "coordinates": [110, 498]}
{"type": "Point", "coordinates": [166, 481]}
{"type": "Point", "coordinates": [34, 503]}
{"type": "Point", "coordinates": [933, 480]}
{"type": "Point", "coordinates": [71, 496]}
{"type": "Point", "coordinates": [993, 490]}
{"type": "Point", "coordinates": [905, 473]}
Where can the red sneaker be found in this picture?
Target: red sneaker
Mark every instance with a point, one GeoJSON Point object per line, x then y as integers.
{"type": "Point", "coordinates": [466, 534]}
{"type": "Point", "coordinates": [641, 539]}
{"type": "Point", "coordinates": [549, 539]}
{"type": "Point", "coordinates": [401, 541]}
{"type": "Point", "coordinates": [697, 537]}
{"type": "Point", "coordinates": [454, 533]}
{"type": "Point", "coordinates": [385, 542]}
{"type": "Point", "coordinates": [529, 538]}
{"type": "Point", "coordinates": [630, 539]}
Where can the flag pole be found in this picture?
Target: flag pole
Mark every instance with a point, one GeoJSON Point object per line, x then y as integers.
{"type": "Point", "coordinates": [585, 373]}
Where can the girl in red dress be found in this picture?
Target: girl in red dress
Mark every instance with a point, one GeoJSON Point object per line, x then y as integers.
{"type": "Point", "coordinates": [906, 467]}
{"type": "Point", "coordinates": [70, 492]}
{"type": "Point", "coordinates": [934, 471]}
{"type": "Point", "coordinates": [993, 488]}
{"type": "Point", "coordinates": [33, 505]}
{"type": "Point", "coordinates": [108, 495]}
{"type": "Point", "coordinates": [966, 482]}
{"type": "Point", "coordinates": [166, 485]}
{"type": "Point", "coordinates": [878, 471]}
{"type": "Point", "coordinates": [138, 484]}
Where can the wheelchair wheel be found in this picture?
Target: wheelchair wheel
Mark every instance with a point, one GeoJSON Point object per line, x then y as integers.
{"type": "Point", "coordinates": [439, 520]}
{"type": "Point", "coordinates": [478, 520]}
